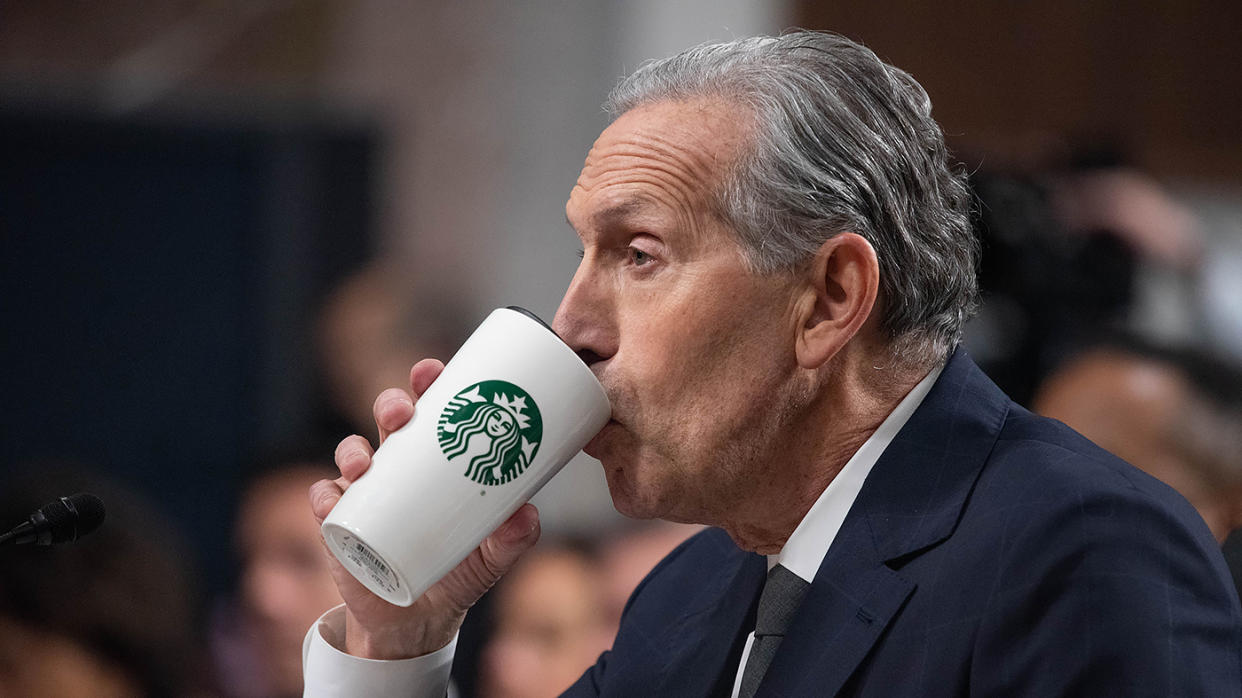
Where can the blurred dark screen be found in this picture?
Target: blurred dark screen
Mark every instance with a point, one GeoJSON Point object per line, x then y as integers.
{"type": "Point", "coordinates": [158, 284]}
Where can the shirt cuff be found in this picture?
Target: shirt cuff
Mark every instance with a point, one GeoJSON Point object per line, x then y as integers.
{"type": "Point", "coordinates": [329, 672]}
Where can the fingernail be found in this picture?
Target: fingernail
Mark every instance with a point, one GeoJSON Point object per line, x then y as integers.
{"type": "Point", "coordinates": [516, 531]}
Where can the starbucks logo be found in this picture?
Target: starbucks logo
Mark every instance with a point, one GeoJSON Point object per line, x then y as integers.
{"type": "Point", "coordinates": [495, 427]}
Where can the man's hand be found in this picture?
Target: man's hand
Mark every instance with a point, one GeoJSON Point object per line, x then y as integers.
{"type": "Point", "coordinates": [376, 629]}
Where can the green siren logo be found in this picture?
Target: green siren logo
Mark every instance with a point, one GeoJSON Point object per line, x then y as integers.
{"type": "Point", "coordinates": [495, 426]}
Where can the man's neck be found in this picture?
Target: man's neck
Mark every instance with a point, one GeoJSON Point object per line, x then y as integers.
{"type": "Point", "coordinates": [843, 416]}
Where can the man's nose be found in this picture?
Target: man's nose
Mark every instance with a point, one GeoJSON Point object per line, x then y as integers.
{"type": "Point", "coordinates": [585, 319]}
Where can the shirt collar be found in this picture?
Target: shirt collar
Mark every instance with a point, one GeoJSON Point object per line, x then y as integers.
{"type": "Point", "coordinates": [809, 543]}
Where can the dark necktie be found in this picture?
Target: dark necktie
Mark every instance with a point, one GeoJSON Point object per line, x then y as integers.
{"type": "Point", "coordinates": [782, 593]}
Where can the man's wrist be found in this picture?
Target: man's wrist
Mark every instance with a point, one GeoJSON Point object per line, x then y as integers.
{"type": "Point", "coordinates": [399, 642]}
{"type": "Point", "coordinates": [330, 672]}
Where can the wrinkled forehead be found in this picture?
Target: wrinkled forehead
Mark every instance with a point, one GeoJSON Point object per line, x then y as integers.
{"type": "Point", "coordinates": [682, 147]}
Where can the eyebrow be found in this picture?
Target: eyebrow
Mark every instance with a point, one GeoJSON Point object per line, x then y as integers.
{"type": "Point", "coordinates": [621, 210]}
{"type": "Point", "coordinates": [616, 212]}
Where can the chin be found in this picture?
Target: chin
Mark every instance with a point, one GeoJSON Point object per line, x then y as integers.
{"type": "Point", "coordinates": [635, 498]}
{"type": "Point", "coordinates": [633, 508]}
{"type": "Point", "coordinates": [622, 489]}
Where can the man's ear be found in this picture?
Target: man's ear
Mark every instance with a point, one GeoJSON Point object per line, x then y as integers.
{"type": "Point", "coordinates": [843, 282]}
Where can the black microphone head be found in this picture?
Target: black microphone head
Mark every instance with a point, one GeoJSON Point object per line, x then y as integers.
{"type": "Point", "coordinates": [72, 517]}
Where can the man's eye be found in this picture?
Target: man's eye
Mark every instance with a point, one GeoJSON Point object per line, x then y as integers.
{"type": "Point", "coordinates": [638, 257]}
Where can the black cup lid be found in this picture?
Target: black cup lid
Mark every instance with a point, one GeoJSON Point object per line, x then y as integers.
{"type": "Point", "coordinates": [534, 317]}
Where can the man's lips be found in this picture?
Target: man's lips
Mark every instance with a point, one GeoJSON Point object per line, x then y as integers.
{"type": "Point", "coordinates": [593, 446]}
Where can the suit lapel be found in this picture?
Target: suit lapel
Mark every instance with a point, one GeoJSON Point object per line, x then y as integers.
{"type": "Point", "coordinates": [850, 603]}
{"type": "Point", "coordinates": [911, 501]}
{"type": "Point", "coordinates": [703, 646]}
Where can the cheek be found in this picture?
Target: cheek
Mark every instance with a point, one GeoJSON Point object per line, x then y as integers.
{"type": "Point", "coordinates": [693, 362]}
{"type": "Point", "coordinates": [692, 365]}
{"type": "Point", "coordinates": [667, 349]}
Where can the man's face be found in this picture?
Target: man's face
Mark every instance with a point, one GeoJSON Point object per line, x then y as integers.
{"type": "Point", "coordinates": [695, 351]}
{"type": "Point", "coordinates": [285, 575]}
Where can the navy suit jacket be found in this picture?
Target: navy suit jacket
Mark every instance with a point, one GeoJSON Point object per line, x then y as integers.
{"type": "Point", "coordinates": [990, 552]}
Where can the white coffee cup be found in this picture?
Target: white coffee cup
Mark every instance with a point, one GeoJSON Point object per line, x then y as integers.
{"type": "Point", "coordinates": [510, 409]}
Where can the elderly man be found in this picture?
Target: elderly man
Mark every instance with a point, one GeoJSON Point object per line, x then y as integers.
{"type": "Point", "coordinates": [776, 267]}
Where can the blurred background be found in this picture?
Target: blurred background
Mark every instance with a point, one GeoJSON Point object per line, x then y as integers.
{"type": "Point", "coordinates": [225, 226]}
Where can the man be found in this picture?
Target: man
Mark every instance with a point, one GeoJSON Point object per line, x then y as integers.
{"type": "Point", "coordinates": [776, 267]}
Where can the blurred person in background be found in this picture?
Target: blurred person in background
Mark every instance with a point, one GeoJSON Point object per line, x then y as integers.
{"type": "Point", "coordinates": [1174, 413]}
{"type": "Point", "coordinates": [112, 614]}
{"type": "Point", "coordinates": [561, 606]}
{"type": "Point", "coordinates": [629, 553]}
{"type": "Point", "coordinates": [551, 622]}
{"type": "Point", "coordinates": [1073, 246]}
{"type": "Point", "coordinates": [284, 581]}
{"type": "Point", "coordinates": [373, 327]}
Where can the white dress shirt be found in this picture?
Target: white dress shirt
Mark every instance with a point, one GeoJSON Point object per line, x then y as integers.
{"type": "Point", "coordinates": [329, 672]}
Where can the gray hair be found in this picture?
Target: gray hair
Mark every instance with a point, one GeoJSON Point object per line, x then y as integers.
{"type": "Point", "coordinates": [841, 142]}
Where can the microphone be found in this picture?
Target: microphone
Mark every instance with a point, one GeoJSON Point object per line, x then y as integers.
{"type": "Point", "coordinates": [62, 521]}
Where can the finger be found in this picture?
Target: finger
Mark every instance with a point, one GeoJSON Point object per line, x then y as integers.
{"type": "Point", "coordinates": [323, 496]}
{"type": "Point", "coordinates": [353, 457]}
{"type": "Point", "coordinates": [424, 373]}
{"type": "Point", "coordinates": [501, 550]}
{"type": "Point", "coordinates": [489, 562]}
{"type": "Point", "coordinates": [392, 409]}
